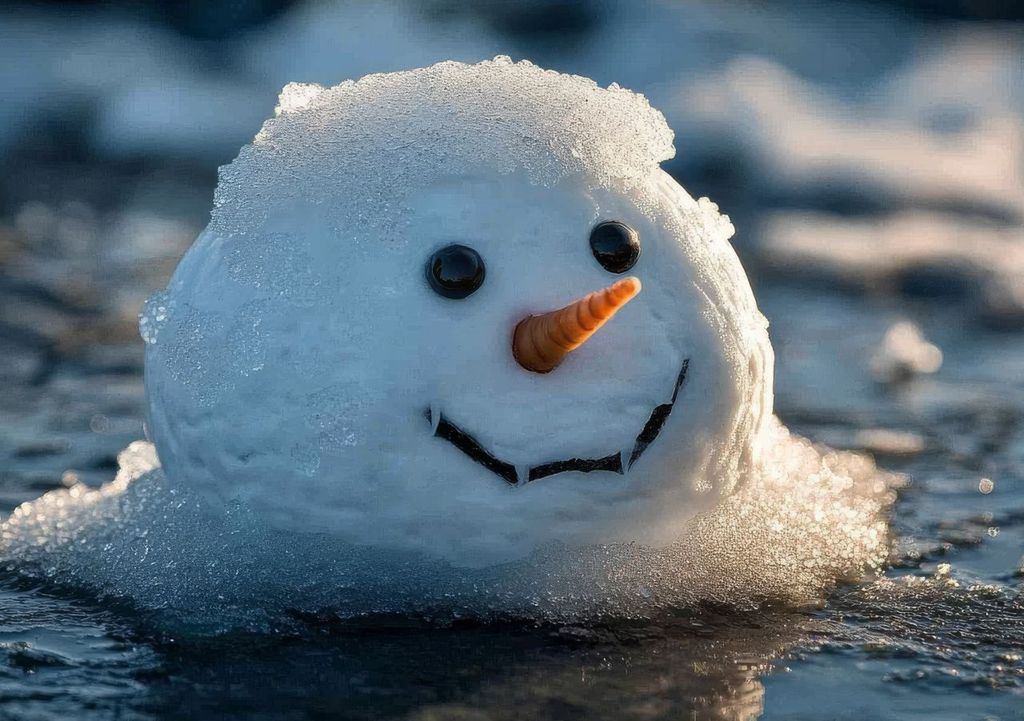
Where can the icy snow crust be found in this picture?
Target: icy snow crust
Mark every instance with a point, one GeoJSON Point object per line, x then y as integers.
{"type": "Point", "coordinates": [787, 537]}
{"type": "Point", "coordinates": [371, 142]}
{"type": "Point", "coordinates": [292, 357]}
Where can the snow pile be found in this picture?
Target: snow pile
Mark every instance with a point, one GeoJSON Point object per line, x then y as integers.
{"type": "Point", "coordinates": [132, 89]}
{"type": "Point", "coordinates": [905, 353]}
{"type": "Point", "coordinates": [787, 537]}
{"type": "Point", "coordinates": [914, 180]}
{"type": "Point", "coordinates": [803, 139]}
{"type": "Point", "coordinates": [916, 253]}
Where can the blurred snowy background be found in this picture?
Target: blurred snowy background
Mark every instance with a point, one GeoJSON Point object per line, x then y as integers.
{"type": "Point", "coordinates": [871, 155]}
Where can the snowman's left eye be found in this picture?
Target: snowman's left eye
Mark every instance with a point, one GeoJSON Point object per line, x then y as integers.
{"type": "Point", "coordinates": [615, 245]}
{"type": "Point", "coordinates": [455, 271]}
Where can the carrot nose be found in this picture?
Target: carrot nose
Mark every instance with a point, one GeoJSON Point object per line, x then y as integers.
{"type": "Point", "coordinates": [541, 342]}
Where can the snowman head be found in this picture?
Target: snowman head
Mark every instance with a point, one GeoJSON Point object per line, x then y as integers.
{"type": "Point", "coordinates": [460, 311]}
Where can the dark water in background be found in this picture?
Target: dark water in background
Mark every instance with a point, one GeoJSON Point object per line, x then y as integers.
{"type": "Point", "coordinates": [98, 199]}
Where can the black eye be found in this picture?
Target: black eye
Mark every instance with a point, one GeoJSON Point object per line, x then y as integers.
{"type": "Point", "coordinates": [455, 271]}
{"type": "Point", "coordinates": [616, 246]}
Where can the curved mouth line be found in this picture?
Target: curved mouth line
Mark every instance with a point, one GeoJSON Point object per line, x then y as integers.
{"type": "Point", "coordinates": [449, 431]}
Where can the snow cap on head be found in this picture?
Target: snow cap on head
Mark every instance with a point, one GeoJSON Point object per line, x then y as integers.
{"type": "Point", "coordinates": [369, 141]}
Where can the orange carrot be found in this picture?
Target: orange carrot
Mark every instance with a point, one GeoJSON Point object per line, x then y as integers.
{"type": "Point", "coordinates": [541, 342]}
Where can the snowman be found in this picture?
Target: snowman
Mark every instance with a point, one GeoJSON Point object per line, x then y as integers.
{"type": "Point", "coordinates": [460, 311]}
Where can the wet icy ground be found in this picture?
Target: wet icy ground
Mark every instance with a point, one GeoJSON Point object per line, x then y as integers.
{"type": "Point", "coordinates": [910, 207]}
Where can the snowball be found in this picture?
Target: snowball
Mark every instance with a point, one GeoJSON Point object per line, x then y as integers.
{"type": "Point", "coordinates": [299, 367]}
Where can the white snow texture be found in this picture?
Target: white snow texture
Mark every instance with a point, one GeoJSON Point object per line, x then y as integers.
{"type": "Point", "coordinates": [294, 354]}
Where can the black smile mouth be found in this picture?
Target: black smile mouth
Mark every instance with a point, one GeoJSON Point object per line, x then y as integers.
{"type": "Point", "coordinates": [506, 471]}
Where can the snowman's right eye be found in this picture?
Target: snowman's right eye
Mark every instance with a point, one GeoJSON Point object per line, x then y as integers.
{"type": "Point", "coordinates": [455, 271]}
